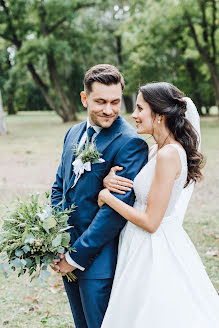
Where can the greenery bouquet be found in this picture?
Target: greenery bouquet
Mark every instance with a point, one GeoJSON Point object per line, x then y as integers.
{"type": "Point", "coordinates": [31, 237]}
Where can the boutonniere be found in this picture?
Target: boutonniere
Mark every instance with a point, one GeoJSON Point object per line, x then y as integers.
{"type": "Point", "coordinates": [84, 158]}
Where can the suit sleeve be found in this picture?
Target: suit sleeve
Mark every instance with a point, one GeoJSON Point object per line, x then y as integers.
{"type": "Point", "coordinates": [57, 188]}
{"type": "Point", "coordinates": [107, 223]}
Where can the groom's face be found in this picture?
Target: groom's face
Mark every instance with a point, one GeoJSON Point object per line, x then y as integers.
{"type": "Point", "coordinates": [103, 103]}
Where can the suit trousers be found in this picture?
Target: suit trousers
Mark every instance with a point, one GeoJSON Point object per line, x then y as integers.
{"type": "Point", "coordinates": [88, 300]}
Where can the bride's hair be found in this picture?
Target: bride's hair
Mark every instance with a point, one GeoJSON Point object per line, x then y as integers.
{"type": "Point", "coordinates": [165, 99]}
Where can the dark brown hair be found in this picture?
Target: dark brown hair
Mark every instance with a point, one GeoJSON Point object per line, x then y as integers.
{"type": "Point", "coordinates": [166, 99]}
{"type": "Point", "coordinates": [102, 73]}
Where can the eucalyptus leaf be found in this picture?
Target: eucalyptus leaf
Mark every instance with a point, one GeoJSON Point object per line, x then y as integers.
{"type": "Point", "coordinates": [61, 250]}
{"type": "Point", "coordinates": [23, 261]}
{"type": "Point", "coordinates": [57, 241]}
{"type": "Point", "coordinates": [65, 239]}
{"type": "Point", "coordinates": [28, 262]}
{"type": "Point", "coordinates": [19, 252]}
{"type": "Point", "coordinates": [26, 248]}
{"type": "Point", "coordinates": [17, 263]}
{"type": "Point", "coordinates": [49, 223]}
{"type": "Point", "coordinates": [29, 238]}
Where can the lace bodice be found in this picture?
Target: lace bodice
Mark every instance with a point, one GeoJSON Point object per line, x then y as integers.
{"type": "Point", "coordinates": [143, 181]}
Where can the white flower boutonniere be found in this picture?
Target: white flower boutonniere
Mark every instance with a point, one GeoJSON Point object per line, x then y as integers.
{"type": "Point", "coordinates": [84, 158]}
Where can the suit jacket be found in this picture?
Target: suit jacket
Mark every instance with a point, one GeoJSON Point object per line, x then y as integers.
{"type": "Point", "coordinates": [96, 230]}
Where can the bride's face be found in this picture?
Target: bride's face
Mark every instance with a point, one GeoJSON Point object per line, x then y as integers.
{"type": "Point", "coordinates": [143, 116]}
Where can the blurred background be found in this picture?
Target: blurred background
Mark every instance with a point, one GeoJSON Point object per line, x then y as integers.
{"type": "Point", "coordinates": [46, 46]}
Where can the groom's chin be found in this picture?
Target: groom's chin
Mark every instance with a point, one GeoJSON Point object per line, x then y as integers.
{"type": "Point", "coordinates": [107, 122]}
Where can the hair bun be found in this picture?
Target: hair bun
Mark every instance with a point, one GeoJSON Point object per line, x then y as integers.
{"type": "Point", "coordinates": [181, 103]}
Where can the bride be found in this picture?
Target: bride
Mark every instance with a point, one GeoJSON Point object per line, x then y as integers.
{"type": "Point", "coordinates": [160, 280]}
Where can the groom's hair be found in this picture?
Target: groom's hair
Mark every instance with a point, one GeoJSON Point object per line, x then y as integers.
{"type": "Point", "coordinates": [102, 73]}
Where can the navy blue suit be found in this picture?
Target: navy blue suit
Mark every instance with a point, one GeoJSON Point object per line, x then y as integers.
{"type": "Point", "coordinates": [96, 230]}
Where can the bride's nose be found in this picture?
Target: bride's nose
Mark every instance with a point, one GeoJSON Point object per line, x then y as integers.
{"type": "Point", "coordinates": [134, 114]}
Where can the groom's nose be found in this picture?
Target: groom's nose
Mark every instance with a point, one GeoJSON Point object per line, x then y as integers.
{"type": "Point", "coordinates": [107, 109]}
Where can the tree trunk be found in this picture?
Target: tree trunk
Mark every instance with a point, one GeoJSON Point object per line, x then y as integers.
{"type": "Point", "coordinates": [3, 126]}
{"type": "Point", "coordinates": [69, 109]}
{"type": "Point", "coordinates": [11, 91]}
{"type": "Point", "coordinates": [197, 99]}
{"type": "Point", "coordinates": [128, 104]}
{"type": "Point", "coordinates": [44, 89]}
{"type": "Point", "coordinates": [215, 81]}
{"type": "Point", "coordinates": [11, 109]}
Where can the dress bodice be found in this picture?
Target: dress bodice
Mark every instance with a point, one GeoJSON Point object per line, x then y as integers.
{"type": "Point", "coordinates": [143, 181]}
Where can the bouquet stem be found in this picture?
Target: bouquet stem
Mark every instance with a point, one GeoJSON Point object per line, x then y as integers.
{"type": "Point", "coordinates": [71, 277]}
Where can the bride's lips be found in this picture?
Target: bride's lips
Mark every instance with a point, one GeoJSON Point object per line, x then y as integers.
{"type": "Point", "coordinates": [137, 124]}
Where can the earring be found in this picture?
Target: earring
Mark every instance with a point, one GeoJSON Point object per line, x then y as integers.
{"type": "Point", "coordinates": [158, 121]}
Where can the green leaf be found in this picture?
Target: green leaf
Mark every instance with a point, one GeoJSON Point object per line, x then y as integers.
{"type": "Point", "coordinates": [29, 238]}
{"type": "Point", "coordinates": [23, 262]}
{"type": "Point", "coordinates": [61, 250]}
{"type": "Point", "coordinates": [37, 259]}
{"type": "Point", "coordinates": [26, 248]}
{"type": "Point", "coordinates": [17, 263]}
{"type": "Point", "coordinates": [28, 263]}
{"type": "Point", "coordinates": [65, 239]}
{"type": "Point", "coordinates": [49, 223]}
{"type": "Point", "coordinates": [57, 241]}
{"type": "Point", "coordinates": [19, 252]}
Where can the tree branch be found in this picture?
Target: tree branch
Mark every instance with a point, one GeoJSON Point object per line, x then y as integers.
{"type": "Point", "coordinates": [15, 39]}
{"type": "Point", "coordinates": [59, 22]}
{"type": "Point", "coordinates": [63, 19]}
{"type": "Point", "coordinates": [195, 37]}
{"type": "Point", "coordinates": [204, 22]}
{"type": "Point", "coordinates": [213, 29]}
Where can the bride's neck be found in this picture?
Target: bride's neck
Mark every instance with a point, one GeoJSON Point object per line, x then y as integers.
{"type": "Point", "coordinates": [163, 136]}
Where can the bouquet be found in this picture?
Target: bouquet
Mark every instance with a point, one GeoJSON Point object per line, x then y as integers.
{"type": "Point", "coordinates": [31, 237]}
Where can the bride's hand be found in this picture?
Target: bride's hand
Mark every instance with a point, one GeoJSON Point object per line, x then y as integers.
{"type": "Point", "coordinates": [102, 197]}
{"type": "Point", "coordinates": [116, 183]}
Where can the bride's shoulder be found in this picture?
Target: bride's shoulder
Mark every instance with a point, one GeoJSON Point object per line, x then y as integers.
{"type": "Point", "coordinates": [169, 155]}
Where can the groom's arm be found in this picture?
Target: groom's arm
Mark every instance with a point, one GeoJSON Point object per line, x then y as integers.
{"type": "Point", "coordinates": [107, 223]}
{"type": "Point", "coordinates": [57, 188]}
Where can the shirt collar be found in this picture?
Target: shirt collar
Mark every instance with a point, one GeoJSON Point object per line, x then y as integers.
{"type": "Point", "coordinates": [96, 128]}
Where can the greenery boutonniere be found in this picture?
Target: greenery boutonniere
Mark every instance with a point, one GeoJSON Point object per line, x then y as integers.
{"type": "Point", "coordinates": [84, 158]}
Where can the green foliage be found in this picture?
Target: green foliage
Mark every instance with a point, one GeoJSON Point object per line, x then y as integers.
{"type": "Point", "coordinates": [32, 235]}
{"type": "Point", "coordinates": [89, 153]}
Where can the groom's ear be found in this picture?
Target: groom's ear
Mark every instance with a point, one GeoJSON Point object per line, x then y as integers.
{"type": "Point", "coordinates": [84, 99]}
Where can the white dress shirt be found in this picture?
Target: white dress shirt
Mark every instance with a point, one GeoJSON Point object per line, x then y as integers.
{"type": "Point", "coordinates": [81, 143]}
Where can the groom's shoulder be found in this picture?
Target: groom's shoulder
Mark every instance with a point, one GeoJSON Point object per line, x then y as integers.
{"type": "Point", "coordinates": [73, 129]}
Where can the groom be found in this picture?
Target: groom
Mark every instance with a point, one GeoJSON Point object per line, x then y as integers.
{"type": "Point", "coordinates": [95, 230]}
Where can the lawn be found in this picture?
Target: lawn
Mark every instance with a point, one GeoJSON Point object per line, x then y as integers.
{"type": "Point", "coordinates": [29, 156]}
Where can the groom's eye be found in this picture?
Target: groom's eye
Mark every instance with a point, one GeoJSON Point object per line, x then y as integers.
{"type": "Point", "coordinates": [99, 101]}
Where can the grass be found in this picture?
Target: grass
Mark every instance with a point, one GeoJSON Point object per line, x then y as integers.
{"type": "Point", "coordinates": [29, 157]}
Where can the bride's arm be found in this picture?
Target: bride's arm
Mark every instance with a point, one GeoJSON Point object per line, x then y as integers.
{"type": "Point", "coordinates": [167, 167]}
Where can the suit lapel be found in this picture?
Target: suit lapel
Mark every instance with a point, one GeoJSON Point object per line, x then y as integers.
{"type": "Point", "coordinates": [103, 140]}
{"type": "Point", "coordinates": [78, 134]}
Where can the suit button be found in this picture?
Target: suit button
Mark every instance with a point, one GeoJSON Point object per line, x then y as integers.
{"type": "Point", "coordinates": [68, 199]}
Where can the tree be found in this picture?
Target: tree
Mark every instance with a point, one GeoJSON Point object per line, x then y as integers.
{"type": "Point", "coordinates": [159, 46]}
{"type": "Point", "coordinates": [37, 30]}
{"type": "Point", "coordinates": [205, 40]}
{"type": "Point", "coordinates": [3, 126]}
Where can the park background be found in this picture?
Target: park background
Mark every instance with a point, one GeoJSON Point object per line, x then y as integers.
{"type": "Point", "coordinates": [46, 46]}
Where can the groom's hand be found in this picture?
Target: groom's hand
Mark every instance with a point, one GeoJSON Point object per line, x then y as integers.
{"type": "Point", "coordinates": [64, 266]}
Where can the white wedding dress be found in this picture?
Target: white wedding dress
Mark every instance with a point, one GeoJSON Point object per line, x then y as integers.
{"type": "Point", "coordinates": [160, 281]}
